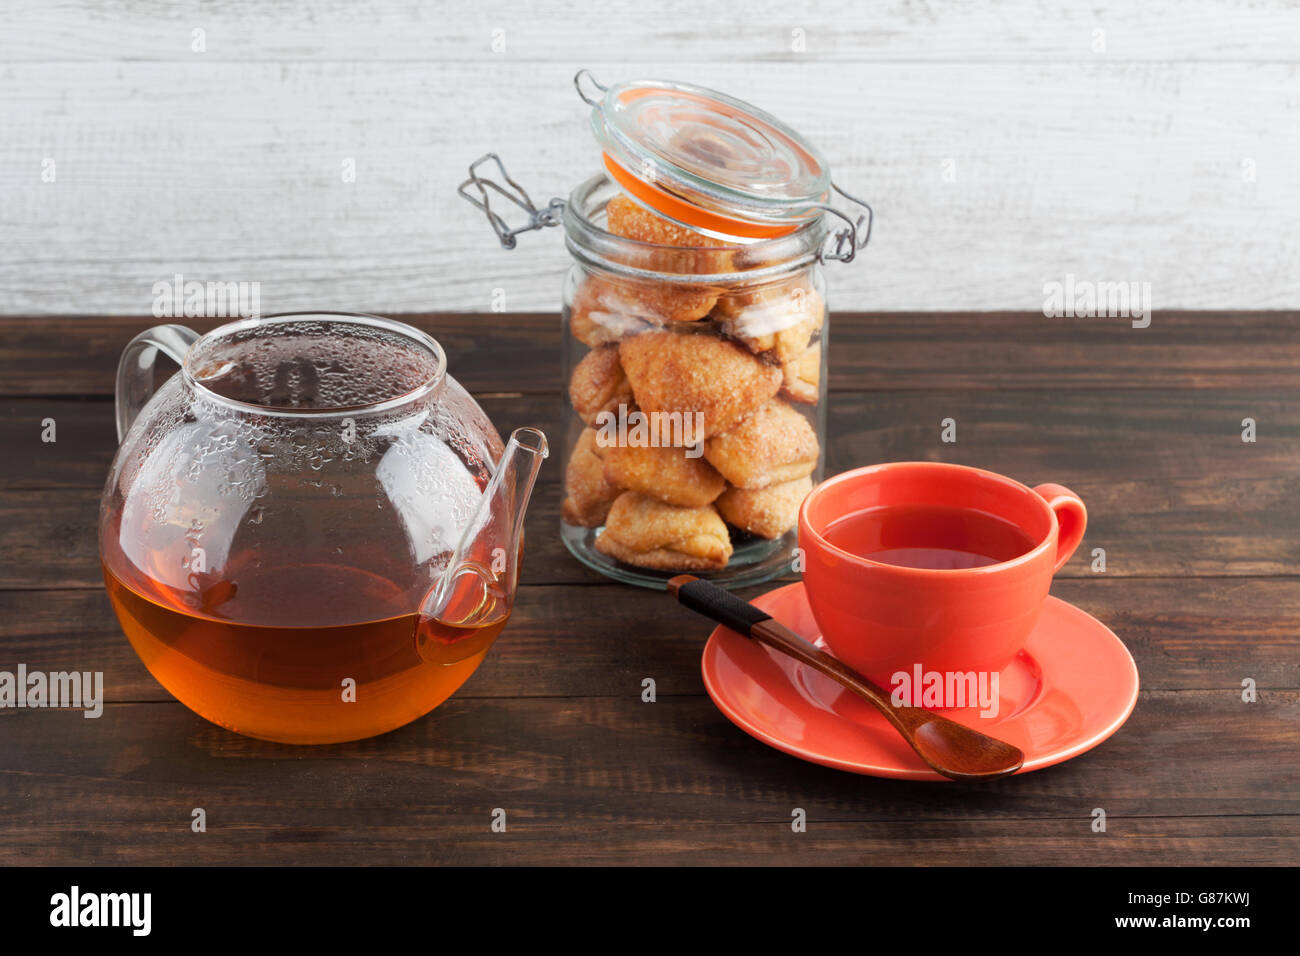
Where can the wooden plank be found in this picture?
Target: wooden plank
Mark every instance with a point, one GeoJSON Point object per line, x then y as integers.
{"type": "Point", "coordinates": [889, 351]}
{"type": "Point", "coordinates": [926, 351]}
{"type": "Point", "coordinates": [87, 437]}
{"type": "Point", "coordinates": [1148, 528]}
{"type": "Point", "coordinates": [990, 179]}
{"type": "Point", "coordinates": [1061, 436]}
{"type": "Point", "coordinates": [417, 841]}
{"type": "Point", "coordinates": [1171, 487]}
{"type": "Point", "coordinates": [667, 32]}
{"type": "Point", "coordinates": [576, 641]}
{"type": "Point", "coordinates": [618, 778]}
{"type": "Point", "coordinates": [77, 355]}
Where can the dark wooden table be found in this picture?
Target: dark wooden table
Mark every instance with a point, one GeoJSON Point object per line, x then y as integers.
{"type": "Point", "coordinates": [1202, 538]}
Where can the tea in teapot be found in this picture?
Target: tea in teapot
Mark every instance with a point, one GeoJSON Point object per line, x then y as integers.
{"type": "Point", "coordinates": [312, 533]}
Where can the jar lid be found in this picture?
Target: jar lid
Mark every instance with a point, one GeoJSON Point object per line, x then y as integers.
{"type": "Point", "coordinates": [706, 160]}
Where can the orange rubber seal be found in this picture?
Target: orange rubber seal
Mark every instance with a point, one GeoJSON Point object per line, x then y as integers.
{"type": "Point", "coordinates": [690, 214]}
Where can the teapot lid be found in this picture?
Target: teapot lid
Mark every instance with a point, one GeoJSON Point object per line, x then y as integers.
{"type": "Point", "coordinates": [706, 160]}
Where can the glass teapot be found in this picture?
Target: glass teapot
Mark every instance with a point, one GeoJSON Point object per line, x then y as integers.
{"type": "Point", "coordinates": [313, 532]}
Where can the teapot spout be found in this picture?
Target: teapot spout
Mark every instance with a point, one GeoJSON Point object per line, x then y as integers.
{"type": "Point", "coordinates": [478, 587]}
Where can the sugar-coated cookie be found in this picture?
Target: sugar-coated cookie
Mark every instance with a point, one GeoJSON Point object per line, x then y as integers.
{"type": "Point", "coordinates": [666, 473]}
{"type": "Point", "coordinates": [767, 512]}
{"type": "Point", "coordinates": [778, 320]}
{"type": "Point", "coordinates": [779, 346]}
{"type": "Point", "coordinates": [606, 310]}
{"type": "Point", "coordinates": [603, 311]}
{"type": "Point", "coordinates": [628, 219]}
{"type": "Point", "coordinates": [685, 373]}
{"type": "Point", "coordinates": [791, 296]}
{"type": "Point", "coordinates": [801, 377]}
{"type": "Point", "coordinates": [587, 495]}
{"type": "Point", "coordinates": [598, 384]}
{"type": "Point", "coordinates": [644, 531]}
{"type": "Point", "coordinates": [773, 445]}
{"type": "Point", "coordinates": [684, 252]}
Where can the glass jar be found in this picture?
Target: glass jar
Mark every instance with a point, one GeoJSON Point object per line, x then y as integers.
{"type": "Point", "coordinates": [695, 333]}
{"type": "Point", "coordinates": [695, 396]}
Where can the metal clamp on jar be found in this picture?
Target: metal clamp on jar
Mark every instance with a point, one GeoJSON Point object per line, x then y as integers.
{"type": "Point", "coordinates": [695, 330]}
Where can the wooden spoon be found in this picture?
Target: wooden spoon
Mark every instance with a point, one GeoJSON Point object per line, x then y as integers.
{"type": "Point", "coordinates": [950, 748]}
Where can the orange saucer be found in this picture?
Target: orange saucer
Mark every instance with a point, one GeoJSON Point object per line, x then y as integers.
{"type": "Point", "coordinates": [1072, 686]}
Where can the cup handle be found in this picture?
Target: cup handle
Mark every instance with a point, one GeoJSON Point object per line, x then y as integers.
{"type": "Point", "coordinates": [135, 368]}
{"type": "Point", "coordinates": [1071, 518]}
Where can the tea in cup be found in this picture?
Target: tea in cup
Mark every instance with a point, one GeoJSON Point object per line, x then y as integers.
{"type": "Point", "coordinates": [932, 564]}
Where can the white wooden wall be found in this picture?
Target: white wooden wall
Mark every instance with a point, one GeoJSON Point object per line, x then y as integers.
{"type": "Point", "coordinates": [1155, 142]}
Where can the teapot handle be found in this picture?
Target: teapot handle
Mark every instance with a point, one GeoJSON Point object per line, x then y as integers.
{"type": "Point", "coordinates": [135, 369]}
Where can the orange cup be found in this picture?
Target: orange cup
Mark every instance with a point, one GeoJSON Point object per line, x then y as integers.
{"type": "Point", "coordinates": [882, 618]}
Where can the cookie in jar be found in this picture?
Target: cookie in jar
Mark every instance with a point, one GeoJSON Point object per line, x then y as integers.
{"type": "Point", "coordinates": [696, 378]}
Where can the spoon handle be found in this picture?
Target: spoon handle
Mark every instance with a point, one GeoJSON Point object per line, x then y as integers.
{"type": "Point", "coordinates": [705, 597]}
{"type": "Point", "coordinates": [708, 599]}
